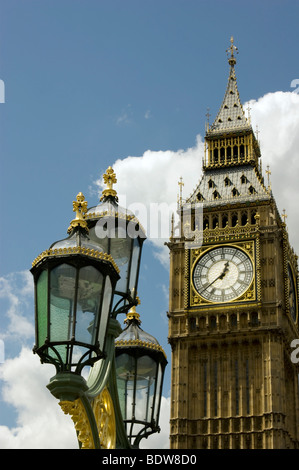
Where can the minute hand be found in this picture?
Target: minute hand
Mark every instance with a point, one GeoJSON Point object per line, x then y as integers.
{"type": "Point", "coordinates": [221, 276]}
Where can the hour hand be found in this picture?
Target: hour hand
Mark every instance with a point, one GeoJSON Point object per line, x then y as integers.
{"type": "Point", "coordinates": [225, 269]}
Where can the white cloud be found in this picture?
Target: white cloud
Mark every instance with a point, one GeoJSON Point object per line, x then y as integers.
{"type": "Point", "coordinates": [16, 290]}
{"type": "Point", "coordinates": [277, 118]}
{"type": "Point", "coordinates": [41, 424]}
{"type": "Point", "coordinates": [125, 117]}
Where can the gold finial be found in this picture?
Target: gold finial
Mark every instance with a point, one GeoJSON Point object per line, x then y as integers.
{"type": "Point", "coordinates": [232, 49]}
{"type": "Point", "coordinates": [284, 216]}
{"type": "Point", "coordinates": [109, 179]}
{"type": "Point", "coordinates": [257, 218]}
{"type": "Point", "coordinates": [249, 117]}
{"type": "Point", "coordinates": [257, 132]}
{"type": "Point", "coordinates": [268, 173]}
{"type": "Point", "coordinates": [208, 119]}
{"type": "Point", "coordinates": [80, 207]}
{"type": "Point", "coordinates": [181, 184]}
{"type": "Point", "coordinates": [132, 315]}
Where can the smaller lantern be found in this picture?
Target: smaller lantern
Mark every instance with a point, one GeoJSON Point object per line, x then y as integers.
{"type": "Point", "coordinates": [140, 366]}
{"type": "Point", "coordinates": [118, 230]}
{"type": "Point", "coordinates": [74, 285]}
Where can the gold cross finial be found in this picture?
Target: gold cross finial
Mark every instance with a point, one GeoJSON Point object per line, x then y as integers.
{"type": "Point", "coordinates": [232, 49]}
{"type": "Point", "coordinates": [80, 207]}
{"type": "Point", "coordinates": [181, 184]}
{"type": "Point", "coordinates": [109, 179]}
{"type": "Point", "coordinates": [257, 132]}
{"type": "Point", "coordinates": [268, 173]}
{"type": "Point", "coordinates": [208, 119]}
{"type": "Point", "coordinates": [248, 110]}
{"type": "Point", "coordinates": [284, 216]}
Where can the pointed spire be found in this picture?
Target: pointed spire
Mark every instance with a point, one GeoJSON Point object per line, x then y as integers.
{"type": "Point", "coordinates": [231, 114]}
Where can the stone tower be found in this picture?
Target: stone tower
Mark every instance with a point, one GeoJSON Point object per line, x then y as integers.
{"type": "Point", "coordinates": [233, 304]}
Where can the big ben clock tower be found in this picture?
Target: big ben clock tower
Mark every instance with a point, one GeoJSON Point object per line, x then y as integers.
{"type": "Point", "coordinates": [233, 306]}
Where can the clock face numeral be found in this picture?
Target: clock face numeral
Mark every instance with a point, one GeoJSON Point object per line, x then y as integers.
{"type": "Point", "coordinates": [292, 294]}
{"type": "Point", "coordinates": [223, 274]}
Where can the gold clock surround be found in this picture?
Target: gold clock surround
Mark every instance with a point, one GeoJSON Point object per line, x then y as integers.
{"type": "Point", "coordinates": [194, 299]}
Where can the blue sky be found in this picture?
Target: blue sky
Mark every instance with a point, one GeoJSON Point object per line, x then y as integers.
{"type": "Point", "coordinates": [91, 83]}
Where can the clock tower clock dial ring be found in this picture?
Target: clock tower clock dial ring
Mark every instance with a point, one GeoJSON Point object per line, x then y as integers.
{"type": "Point", "coordinates": [222, 274]}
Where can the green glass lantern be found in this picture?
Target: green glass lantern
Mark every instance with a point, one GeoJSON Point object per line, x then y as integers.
{"type": "Point", "coordinates": [74, 286]}
{"type": "Point", "coordinates": [121, 235]}
{"type": "Point", "coordinates": [140, 365]}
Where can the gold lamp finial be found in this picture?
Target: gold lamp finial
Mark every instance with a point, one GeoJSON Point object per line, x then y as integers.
{"type": "Point", "coordinates": [80, 207]}
{"type": "Point", "coordinates": [132, 315]}
{"type": "Point", "coordinates": [109, 179]}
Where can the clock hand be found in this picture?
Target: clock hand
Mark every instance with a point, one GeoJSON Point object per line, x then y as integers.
{"type": "Point", "coordinates": [225, 269]}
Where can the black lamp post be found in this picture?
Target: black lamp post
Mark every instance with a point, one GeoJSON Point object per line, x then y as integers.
{"type": "Point", "coordinates": [120, 234]}
{"type": "Point", "coordinates": [140, 365]}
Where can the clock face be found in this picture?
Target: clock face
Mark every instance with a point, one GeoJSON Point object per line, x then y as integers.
{"type": "Point", "coordinates": [222, 274]}
{"type": "Point", "coordinates": [292, 294]}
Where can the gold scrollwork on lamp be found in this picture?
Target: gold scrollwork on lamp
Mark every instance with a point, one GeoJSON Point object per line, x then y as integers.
{"type": "Point", "coordinates": [80, 419]}
{"type": "Point", "coordinates": [105, 418]}
{"type": "Point", "coordinates": [103, 410]}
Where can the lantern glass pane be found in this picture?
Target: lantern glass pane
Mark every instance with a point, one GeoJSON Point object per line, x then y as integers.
{"type": "Point", "coordinates": [89, 296]}
{"type": "Point", "coordinates": [125, 374]}
{"type": "Point", "coordinates": [134, 264]}
{"type": "Point", "coordinates": [62, 293]}
{"type": "Point", "coordinates": [42, 307]}
{"type": "Point", "coordinates": [120, 251]}
{"type": "Point", "coordinates": [105, 312]}
{"type": "Point", "coordinates": [145, 387]}
{"type": "Point", "coordinates": [111, 234]}
{"type": "Point", "coordinates": [136, 391]}
{"type": "Point", "coordinates": [99, 237]}
{"type": "Point", "coordinates": [158, 390]}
